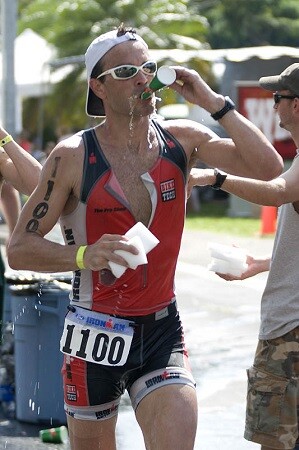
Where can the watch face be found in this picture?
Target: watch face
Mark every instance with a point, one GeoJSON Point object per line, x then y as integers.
{"type": "Point", "coordinates": [229, 103]}
{"type": "Point", "coordinates": [220, 178]}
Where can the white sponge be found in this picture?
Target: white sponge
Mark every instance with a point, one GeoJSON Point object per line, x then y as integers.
{"type": "Point", "coordinates": [144, 240]}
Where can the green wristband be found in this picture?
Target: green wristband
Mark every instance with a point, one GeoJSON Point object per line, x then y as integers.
{"type": "Point", "coordinates": [79, 256]}
{"type": "Point", "coordinates": [5, 140]}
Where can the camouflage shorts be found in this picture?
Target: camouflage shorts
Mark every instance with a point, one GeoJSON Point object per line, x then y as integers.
{"type": "Point", "coordinates": [273, 393]}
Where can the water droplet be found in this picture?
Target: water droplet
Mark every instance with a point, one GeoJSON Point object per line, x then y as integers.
{"type": "Point", "coordinates": [132, 103]}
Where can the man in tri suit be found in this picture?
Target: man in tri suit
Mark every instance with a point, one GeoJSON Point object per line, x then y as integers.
{"type": "Point", "coordinates": [124, 333]}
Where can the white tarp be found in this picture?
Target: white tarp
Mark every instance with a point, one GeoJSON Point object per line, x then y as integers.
{"type": "Point", "coordinates": [33, 77]}
{"type": "Point", "coordinates": [32, 54]}
{"type": "Point", "coordinates": [264, 52]}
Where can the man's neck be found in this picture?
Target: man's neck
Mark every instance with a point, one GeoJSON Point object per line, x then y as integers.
{"type": "Point", "coordinates": [132, 133]}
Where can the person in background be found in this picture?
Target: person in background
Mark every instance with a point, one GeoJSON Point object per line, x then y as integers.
{"type": "Point", "coordinates": [130, 169]}
{"type": "Point", "coordinates": [272, 418]}
{"type": "Point", "coordinates": [10, 206]}
{"type": "Point", "coordinates": [19, 173]}
{"type": "Point", "coordinates": [17, 166]}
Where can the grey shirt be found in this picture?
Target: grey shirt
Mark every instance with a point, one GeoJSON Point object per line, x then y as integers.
{"type": "Point", "coordinates": [280, 300]}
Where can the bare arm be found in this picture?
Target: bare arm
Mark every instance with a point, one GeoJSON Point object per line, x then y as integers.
{"type": "Point", "coordinates": [10, 205]}
{"type": "Point", "coordinates": [280, 190]}
{"type": "Point", "coordinates": [57, 193]}
{"type": "Point", "coordinates": [18, 167]}
{"type": "Point", "coordinates": [247, 152]}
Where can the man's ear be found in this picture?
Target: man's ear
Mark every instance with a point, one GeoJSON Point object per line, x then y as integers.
{"type": "Point", "coordinates": [296, 105]}
{"type": "Point", "coordinates": [97, 87]}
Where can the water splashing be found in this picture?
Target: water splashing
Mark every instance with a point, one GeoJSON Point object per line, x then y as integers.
{"type": "Point", "coordinates": [149, 142]}
{"type": "Point", "coordinates": [132, 103]}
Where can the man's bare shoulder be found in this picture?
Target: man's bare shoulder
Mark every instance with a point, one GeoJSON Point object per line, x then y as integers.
{"type": "Point", "coordinates": [183, 126]}
{"type": "Point", "coordinates": [189, 133]}
{"type": "Point", "coordinates": [74, 142]}
{"type": "Point", "coordinates": [67, 154]}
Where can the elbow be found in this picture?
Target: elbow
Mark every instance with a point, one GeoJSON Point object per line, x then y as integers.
{"type": "Point", "coordinates": [272, 173]}
{"type": "Point", "coordinates": [12, 261]}
{"type": "Point", "coordinates": [13, 257]}
{"type": "Point", "coordinates": [273, 170]}
{"type": "Point", "coordinates": [278, 202]}
{"type": "Point", "coordinates": [281, 197]}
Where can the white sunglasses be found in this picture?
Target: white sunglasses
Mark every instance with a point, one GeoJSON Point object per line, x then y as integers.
{"type": "Point", "coordinates": [128, 71]}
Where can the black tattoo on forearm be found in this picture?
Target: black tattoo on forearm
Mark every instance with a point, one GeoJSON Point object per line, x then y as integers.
{"type": "Point", "coordinates": [56, 164]}
{"type": "Point", "coordinates": [42, 208]}
{"type": "Point", "coordinates": [49, 190]}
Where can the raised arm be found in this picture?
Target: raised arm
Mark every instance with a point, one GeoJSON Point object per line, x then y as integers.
{"type": "Point", "coordinates": [10, 206]}
{"type": "Point", "coordinates": [246, 152]}
{"type": "Point", "coordinates": [17, 166]}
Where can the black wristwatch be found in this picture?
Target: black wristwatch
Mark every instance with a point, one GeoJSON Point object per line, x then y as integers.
{"type": "Point", "coordinates": [228, 106]}
{"type": "Point", "coordinates": [220, 178]}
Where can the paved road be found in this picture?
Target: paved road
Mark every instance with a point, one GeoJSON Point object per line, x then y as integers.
{"type": "Point", "coordinates": [221, 324]}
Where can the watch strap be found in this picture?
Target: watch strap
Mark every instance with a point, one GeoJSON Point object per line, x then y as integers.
{"type": "Point", "coordinates": [228, 106]}
{"type": "Point", "coordinates": [220, 178]}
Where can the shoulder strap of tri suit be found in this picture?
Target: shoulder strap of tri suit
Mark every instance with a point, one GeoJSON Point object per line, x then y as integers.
{"type": "Point", "coordinates": [95, 163]}
{"type": "Point", "coordinates": [171, 148]}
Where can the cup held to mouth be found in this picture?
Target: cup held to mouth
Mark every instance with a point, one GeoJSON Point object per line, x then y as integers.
{"type": "Point", "coordinates": [165, 76]}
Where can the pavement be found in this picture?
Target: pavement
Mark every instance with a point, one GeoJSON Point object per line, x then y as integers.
{"type": "Point", "coordinates": [222, 401]}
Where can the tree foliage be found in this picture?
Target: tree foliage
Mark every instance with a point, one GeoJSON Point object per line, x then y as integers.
{"type": "Point", "coordinates": [71, 25]}
{"type": "Point", "coordinates": [245, 23]}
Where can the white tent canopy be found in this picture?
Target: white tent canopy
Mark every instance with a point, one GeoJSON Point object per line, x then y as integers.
{"type": "Point", "coordinates": [34, 55]}
{"type": "Point", "coordinates": [32, 71]}
{"type": "Point", "coordinates": [265, 52]}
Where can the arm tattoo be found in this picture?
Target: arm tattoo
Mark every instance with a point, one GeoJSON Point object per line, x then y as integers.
{"type": "Point", "coordinates": [42, 208]}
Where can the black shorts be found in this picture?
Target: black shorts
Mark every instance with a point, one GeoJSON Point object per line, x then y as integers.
{"type": "Point", "coordinates": [157, 358]}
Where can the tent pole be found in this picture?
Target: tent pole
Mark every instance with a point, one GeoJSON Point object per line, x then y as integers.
{"type": "Point", "coordinates": [8, 95]}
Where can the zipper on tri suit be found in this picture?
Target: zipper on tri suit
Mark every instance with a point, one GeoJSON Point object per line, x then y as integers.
{"type": "Point", "coordinates": [144, 277]}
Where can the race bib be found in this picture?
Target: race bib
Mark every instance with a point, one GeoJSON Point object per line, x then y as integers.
{"type": "Point", "coordinates": [97, 338]}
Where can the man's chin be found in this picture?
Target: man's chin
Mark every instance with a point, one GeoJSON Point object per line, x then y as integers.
{"type": "Point", "coordinates": [282, 125]}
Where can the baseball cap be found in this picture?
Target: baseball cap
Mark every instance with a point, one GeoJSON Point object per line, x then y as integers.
{"type": "Point", "coordinates": [288, 79]}
{"type": "Point", "coordinates": [96, 50]}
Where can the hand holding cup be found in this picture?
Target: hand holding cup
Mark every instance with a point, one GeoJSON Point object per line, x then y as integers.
{"type": "Point", "coordinates": [165, 76]}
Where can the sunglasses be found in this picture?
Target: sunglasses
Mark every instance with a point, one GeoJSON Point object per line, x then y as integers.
{"type": "Point", "coordinates": [128, 71]}
{"type": "Point", "coordinates": [277, 97]}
